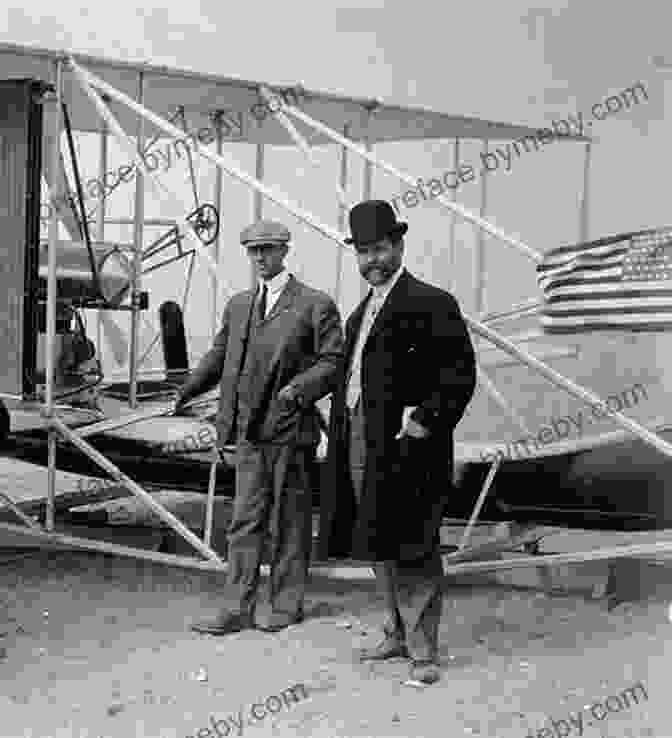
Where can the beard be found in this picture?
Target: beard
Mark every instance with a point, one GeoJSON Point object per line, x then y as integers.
{"type": "Point", "coordinates": [379, 273]}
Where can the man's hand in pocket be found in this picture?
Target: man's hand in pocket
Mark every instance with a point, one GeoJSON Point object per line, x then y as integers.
{"type": "Point", "coordinates": [410, 427]}
{"type": "Point", "coordinates": [288, 397]}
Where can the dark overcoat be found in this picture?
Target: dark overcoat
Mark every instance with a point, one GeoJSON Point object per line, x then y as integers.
{"type": "Point", "coordinates": [418, 353]}
{"type": "Point", "coordinates": [300, 342]}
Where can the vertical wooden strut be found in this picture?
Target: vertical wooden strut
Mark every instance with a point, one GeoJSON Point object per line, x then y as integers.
{"type": "Point", "coordinates": [138, 232]}
{"type": "Point", "coordinates": [50, 359]}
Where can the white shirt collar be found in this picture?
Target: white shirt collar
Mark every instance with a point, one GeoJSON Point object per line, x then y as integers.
{"type": "Point", "coordinates": [380, 292]}
{"type": "Point", "coordinates": [276, 283]}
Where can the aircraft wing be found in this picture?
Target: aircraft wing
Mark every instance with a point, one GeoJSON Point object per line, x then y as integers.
{"type": "Point", "coordinates": [201, 95]}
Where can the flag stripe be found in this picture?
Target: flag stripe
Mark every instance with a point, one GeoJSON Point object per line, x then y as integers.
{"type": "Point", "coordinates": [614, 276]}
{"type": "Point", "coordinates": [598, 256]}
{"type": "Point", "coordinates": [614, 266]}
{"type": "Point", "coordinates": [628, 319]}
{"type": "Point", "coordinates": [663, 298]}
{"type": "Point", "coordinates": [616, 289]}
{"type": "Point", "coordinates": [586, 326]}
{"type": "Point", "coordinates": [612, 310]}
{"type": "Point", "coordinates": [600, 307]}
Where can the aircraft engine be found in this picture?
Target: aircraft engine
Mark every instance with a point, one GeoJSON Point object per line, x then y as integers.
{"type": "Point", "coordinates": [77, 369]}
{"type": "Point", "coordinates": [74, 279]}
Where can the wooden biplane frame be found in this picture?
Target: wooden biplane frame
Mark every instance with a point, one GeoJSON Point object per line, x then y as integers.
{"type": "Point", "coordinates": [460, 561]}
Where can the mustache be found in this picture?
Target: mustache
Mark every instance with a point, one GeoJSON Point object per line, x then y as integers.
{"type": "Point", "coordinates": [371, 267]}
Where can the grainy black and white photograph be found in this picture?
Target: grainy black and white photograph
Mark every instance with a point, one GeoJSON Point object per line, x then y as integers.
{"type": "Point", "coordinates": [334, 343]}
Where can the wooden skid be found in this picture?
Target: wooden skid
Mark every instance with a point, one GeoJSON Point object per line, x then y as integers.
{"type": "Point", "coordinates": [492, 548]}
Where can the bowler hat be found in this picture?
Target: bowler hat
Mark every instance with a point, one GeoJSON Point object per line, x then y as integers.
{"type": "Point", "coordinates": [265, 232]}
{"type": "Point", "coordinates": [373, 220]}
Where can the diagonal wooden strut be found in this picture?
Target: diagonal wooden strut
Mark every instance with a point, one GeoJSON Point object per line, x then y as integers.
{"type": "Point", "coordinates": [117, 474]}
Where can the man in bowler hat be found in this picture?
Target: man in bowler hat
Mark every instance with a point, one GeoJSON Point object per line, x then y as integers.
{"type": "Point", "coordinates": [279, 350]}
{"type": "Point", "coordinates": [408, 376]}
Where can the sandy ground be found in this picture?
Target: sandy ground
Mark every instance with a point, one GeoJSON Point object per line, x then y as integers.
{"type": "Point", "coordinates": [98, 647]}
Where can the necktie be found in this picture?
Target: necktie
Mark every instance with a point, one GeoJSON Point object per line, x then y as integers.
{"type": "Point", "coordinates": [262, 302]}
{"type": "Point", "coordinates": [354, 388]}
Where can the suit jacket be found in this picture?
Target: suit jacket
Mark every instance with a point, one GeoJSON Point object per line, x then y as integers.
{"type": "Point", "coordinates": [301, 342]}
{"type": "Point", "coordinates": [418, 353]}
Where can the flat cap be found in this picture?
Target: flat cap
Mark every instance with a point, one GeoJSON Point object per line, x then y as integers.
{"type": "Point", "coordinates": [264, 231]}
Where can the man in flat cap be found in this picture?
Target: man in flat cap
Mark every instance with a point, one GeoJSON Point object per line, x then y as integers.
{"type": "Point", "coordinates": [279, 350]}
{"type": "Point", "coordinates": [408, 376]}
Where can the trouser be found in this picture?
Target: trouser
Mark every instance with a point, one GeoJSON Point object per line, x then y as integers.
{"type": "Point", "coordinates": [272, 501]}
{"type": "Point", "coordinates": [413, 590]}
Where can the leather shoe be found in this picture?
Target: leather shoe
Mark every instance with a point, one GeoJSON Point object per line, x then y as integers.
{"type": "Point", "coordinates": [278, 620]}
{"type": "Point", "coordinates": [393, 645]}
{"type": "Point", "coordinates": [224, 623]}
{"type": "Point", "coordinates": [389, 648]}
{"type": "Point", "coordinates": [426, 672]}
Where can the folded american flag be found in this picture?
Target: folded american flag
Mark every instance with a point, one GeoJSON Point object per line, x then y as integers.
{"type": "Point", "coordinates": [618, 283]}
